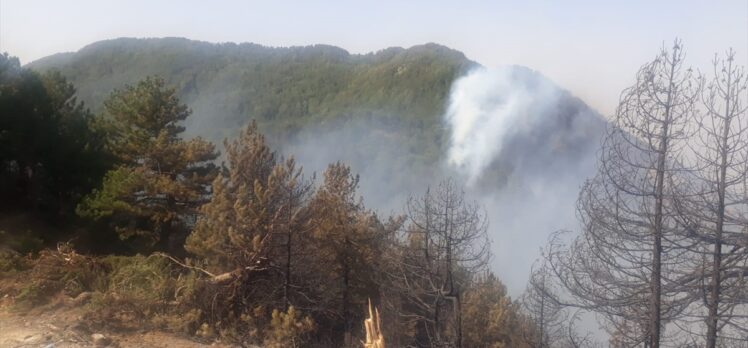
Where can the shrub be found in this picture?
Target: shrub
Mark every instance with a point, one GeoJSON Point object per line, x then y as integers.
{"type": "Point", "coordinates": [147, 291]}
{"type": "Point", "coordinates": [21, 241]}
{"type": "Point", "coordinates": [12, 262]}
{"type": "Point", "coordinates": [288, 329]}
{"type": "Point", "coordinates": [60, 270]}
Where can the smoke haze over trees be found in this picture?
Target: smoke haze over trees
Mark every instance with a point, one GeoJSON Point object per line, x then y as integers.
{"type": "Point", "coordinates": [413, 179]}
{"type": "Point", "coordinates": [393, 111]}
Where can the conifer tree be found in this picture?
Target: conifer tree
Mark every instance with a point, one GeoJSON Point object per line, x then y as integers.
{"type": "Point", "coordinates": [625, 264]}
{"type": "Point", "coordinates": [256, 221]}
{"type": "Point", "coordinates": [446, 244]}
{"type": "Point", "coordinates": [233, 226]}
{"type": "Point", "coordinates": [294, 193]}
{"type": "Point", "coordinates": [347, 239]}
{"type": "Point", "coordinates": [491, 319]}
{"type": "Point", "coordinates": [50, 153]}
{"type": "Point", "coordinates": [161, 179]}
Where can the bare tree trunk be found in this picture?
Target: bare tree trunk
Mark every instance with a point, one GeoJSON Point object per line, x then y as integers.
{"type": "Point", "coordinates": [458, 311]}
{"type": "Point", "coordinates": [620, 265]}
{"type": "Point", "coordinates": [346, 300]}
{"type": "Point", "coordinates": [715, 286]}
{"type": "Point", "coordinates": [656, 296]}
{"type": "Point", "coordinates": [716, 283]}
{"type": "Point", "coordinates": [287, 281]}
{"type": "Point", "coordinates": [541, 332]}
{"type": "Point", "coordinates": [289, 236]}
{"type": "Point", "coordinates": [437, 321]}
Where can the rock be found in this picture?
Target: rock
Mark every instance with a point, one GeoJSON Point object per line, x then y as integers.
{"type": "Point", "coordinates": [33, 339]}
{"type": "Point", "coordinates": [81, 299]}
{"type": "Point", "coordinates": [100, 340]}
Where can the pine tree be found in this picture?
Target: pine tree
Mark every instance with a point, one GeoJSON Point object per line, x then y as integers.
{"type": "Point", "coordinates": [50, 153]}
{"type": "Point", "coordinates": [293, 230]}
{"type": "Point", "coordinates": [347, 239]}
{"type": "Point", "coordinates": [233, 228]}
{"type": "Point", "coordinates": [624, 263]}
{"type": "Point", "coordinates": [257, 218]}
{"type": "Point", "coordinates": [491, 319]}
{"type": "Point", "coordinates": [446, 244]}
{"type": "Point", "coordinates": [161, 179]}
{"type": "Point", "coordinates": [253, 235]}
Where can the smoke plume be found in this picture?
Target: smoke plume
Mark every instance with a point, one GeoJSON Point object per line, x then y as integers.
{"type": "Point", "coordinates": [523, 147]}
{"type": "Point", "coordinates": [486, 107]}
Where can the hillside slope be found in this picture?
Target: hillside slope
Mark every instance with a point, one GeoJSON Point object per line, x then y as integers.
{"type": "Point", "coordinates": [284, 89]}
{"type": "Point", "coordinates": [381, 112]}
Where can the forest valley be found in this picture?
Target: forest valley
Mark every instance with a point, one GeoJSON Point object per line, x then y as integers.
{"type": "Point", "coordinates": [143, 228]}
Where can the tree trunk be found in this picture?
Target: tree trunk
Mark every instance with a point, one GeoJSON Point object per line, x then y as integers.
{"type": "Point", "coordinates": [716, 283]}
{"type": "Point", "coordinates": [287, 282]}
{"type": "Point", "coordinates": [346, 300]}
{"type": "Point", "coordinates": [541, 333]}
{"type": "Point", "coordinates": [656, 300]}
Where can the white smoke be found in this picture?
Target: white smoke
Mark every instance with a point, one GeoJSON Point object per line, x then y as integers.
{"type": "Point", "coordinates": [523, 146]}
{"type": "Point", "coordinates": [485, 108]}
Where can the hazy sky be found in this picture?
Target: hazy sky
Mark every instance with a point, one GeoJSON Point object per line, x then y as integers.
{"type": "Point", "coordinates": [592, 48]}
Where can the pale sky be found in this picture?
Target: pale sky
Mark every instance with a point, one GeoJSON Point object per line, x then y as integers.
{"type": "Point", "coordinates": [592, 48]}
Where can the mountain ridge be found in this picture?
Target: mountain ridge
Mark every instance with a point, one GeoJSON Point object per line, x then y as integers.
{"type": "Point", "coordinates": [318, 83]}
{"type": "Point", "coordinates": [380, 112]}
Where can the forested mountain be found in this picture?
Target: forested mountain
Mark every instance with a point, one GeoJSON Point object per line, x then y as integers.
{"type": "Point", "coordinates": [284, 89]}
{"type": "Point", "coordinates": [380, 112]}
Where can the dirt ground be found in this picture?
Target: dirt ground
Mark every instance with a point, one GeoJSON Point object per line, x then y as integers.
{"type": "Point", "coordinates": [60, 326]}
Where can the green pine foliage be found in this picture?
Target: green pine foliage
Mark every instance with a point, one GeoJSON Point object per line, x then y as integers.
{"type": "Point", "coordinates": [51, 153]}
{"type": "Point", "coordinates": [161, 179]}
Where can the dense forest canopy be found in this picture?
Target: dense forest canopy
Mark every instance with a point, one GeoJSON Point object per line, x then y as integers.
{"type": "Point", "coordinates": [284, 89]}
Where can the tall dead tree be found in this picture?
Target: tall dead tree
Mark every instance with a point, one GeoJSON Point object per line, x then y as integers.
{"type": "Point", "coordinates": [544, 310]}
{"type": "Point", "coordinates": [623, 263]}
{"type": "Point", "coordinates": [348, 241]}
{"type": "Point", "coordinates": [294, 193]}
{"type": "Point", "coordinates": [445, 244]}
{"type": "Point", "coordinates": [713, 207]}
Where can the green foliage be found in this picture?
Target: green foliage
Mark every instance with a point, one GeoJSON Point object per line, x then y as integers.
{"type": "Point", "coordinates": [141, 115]}
{"type": "Point", "coordinates": [12, 262]}
{"type": "Point", "coordinates": [287, 90]}
{"type": "Point", "coordinates": [106, 201]}
{"type": "Point", "coordinates": [21, 241]}
{"type": "Point", "coordinates": [145, 291]}
{"type": "Point", "coordinates": [61, 270]}
{"type": "Point", "coordinates": [50, 152]}
{"type": "Point", "coordinates": [161, 179]}
{"type": "Point", "coordinates": [144, 280]}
